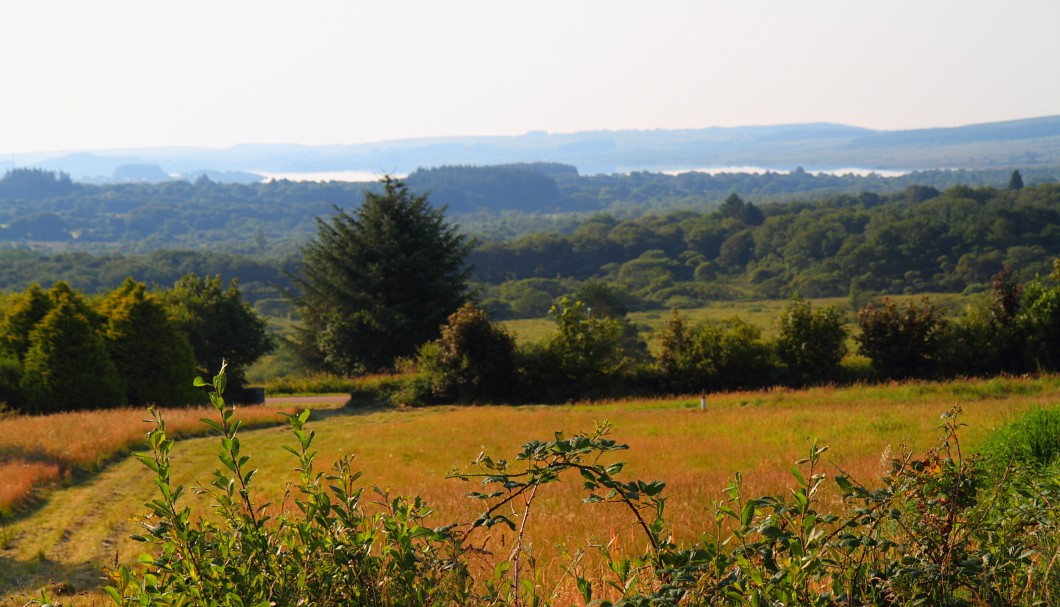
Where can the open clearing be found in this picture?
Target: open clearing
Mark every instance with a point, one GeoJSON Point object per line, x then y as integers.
{"type": "Point", "coordinates": [80, 528]}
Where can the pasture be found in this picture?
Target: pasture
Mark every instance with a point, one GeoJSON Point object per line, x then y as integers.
{"type": "Point", "coordinates": [763, 314]}
{"type": "Point", "coordinates": [78, 527]}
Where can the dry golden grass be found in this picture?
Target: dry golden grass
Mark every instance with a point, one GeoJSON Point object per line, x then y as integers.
{"type": "Point", "coordinates": [35, 450]}
{"type": "Point", "coordinates": [760, 434]}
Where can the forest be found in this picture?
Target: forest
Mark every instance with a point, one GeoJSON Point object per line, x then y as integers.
{"type": "Point", "coordinates": [919, 238]}
{"type": "Point", "coordinates": [46, 210]}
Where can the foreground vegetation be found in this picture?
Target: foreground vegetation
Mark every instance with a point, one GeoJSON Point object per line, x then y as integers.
{"type": "Point", "coordinates": [78, 529]}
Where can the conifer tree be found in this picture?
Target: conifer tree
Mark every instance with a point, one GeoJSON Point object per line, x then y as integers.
{"type": "Point", "coordinates": [378, 282]}
{"type": "Point", "coordinates": [67, 365]}
{"type": "Point", "coordinates": [153, 357]}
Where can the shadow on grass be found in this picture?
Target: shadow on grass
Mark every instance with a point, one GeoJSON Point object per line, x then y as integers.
{"type": "Point", "coordinates": [22, 581]}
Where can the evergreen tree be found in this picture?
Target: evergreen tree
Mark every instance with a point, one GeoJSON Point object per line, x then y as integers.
{"type": "Point", "coordinates": [28, 309]}
{"type": "Point", "coordinates": [67, 365]}
{"type": "Point", "coordinates": [376, 283]}
{"type": "Point", "coordinates": [1016, 181]}
{"type": "Point", "coordinates": [153, 357]}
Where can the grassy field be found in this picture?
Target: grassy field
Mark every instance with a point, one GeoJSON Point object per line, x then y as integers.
{"type": "Point", "coordinates": [38, 450]}
{"type": "Point", "coordinates": [80, 528]}
{"type": "Point", "coordinates": [762, 314]}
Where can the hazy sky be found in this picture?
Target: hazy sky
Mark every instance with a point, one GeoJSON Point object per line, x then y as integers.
{"type": "Point", "coordinates": [106, 74]}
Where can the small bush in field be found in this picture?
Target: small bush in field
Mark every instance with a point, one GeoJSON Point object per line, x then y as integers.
{"type": "Point", "coordinates": [811, 343]}
{"type": "Point", "coordinates": [472, 362]}
{"type": "Point", "coordinates": [901, 342]}
{"type": "Point", "coordinates": [713, 355]}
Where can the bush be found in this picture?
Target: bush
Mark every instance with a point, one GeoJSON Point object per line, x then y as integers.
{"type": "Point", "coordinates": [321, 549]}
{"type": "Point", "coordinates": [901, 343]}
{"type": "Point", "coordinates": [585, 356]}
{"type": "Point", "coordinates": [811, 343]}
{"type": "Point", "coordinates": [1032, 439]}
{"type": "Point", "coordinates": [713, 356]}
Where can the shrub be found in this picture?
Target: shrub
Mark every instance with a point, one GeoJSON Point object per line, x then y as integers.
{"type": "Point", "coordinates": [1032, 439]}
{"type": "Point", "coordinates": [1038, 321]}
{"type": "Point", "coordinates": [474, 360]}
{"type": "Point", "coordinates": [585, 356]}
{"type": "Point", "coordinates": [901, 343]}
{"type": "Point", "coordinates": [713, 355]}
{"type": "Point", "coordinates": [319, 547]}
{"type": "Point", "coordinates": [811, 343]}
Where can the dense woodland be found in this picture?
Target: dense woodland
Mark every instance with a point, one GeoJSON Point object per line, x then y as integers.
{"type": "Point", "coordinates": [44, 209]}
{"type": "Point", "coordinates": [919, 238]}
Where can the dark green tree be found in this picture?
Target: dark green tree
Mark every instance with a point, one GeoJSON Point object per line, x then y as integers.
{"type": "Point", "coordinates": [67, 366]}
{"type": "Point", "coordinates": [811, 342]}
{"type": "Point", "coordinates": [28, 309]}
{"type": "Point", "coordinates": [901, 342]}
{"type": "Point", "coordinates": [151, 353]}
{"type": "Point", "coordinates": [472, 362]}
{"type": "Point", "coordinates": [376, 283]}
{"type": "Point", "coordinates": [219, 325]}
{"type": "Point", "coordinates": [1015, 182]}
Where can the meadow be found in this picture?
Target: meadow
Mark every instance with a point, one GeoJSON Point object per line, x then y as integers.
{"type": "Point", "coordinates": [78, 527]}
{"type": "Point", "coordinates": [763, 314]}
{"type": "Point", "coordinates": [41, 450]}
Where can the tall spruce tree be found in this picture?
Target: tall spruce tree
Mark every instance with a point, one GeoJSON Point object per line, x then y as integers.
{"type": "Point", "coordinates": [67, 366]}
{"type": "Point", "coordinates": [153, 357]}
{"type": "Point", "coordinates": [376, 283]}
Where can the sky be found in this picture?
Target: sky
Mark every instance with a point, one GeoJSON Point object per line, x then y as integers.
{"type": "Point", "coordinates": [114, 74]}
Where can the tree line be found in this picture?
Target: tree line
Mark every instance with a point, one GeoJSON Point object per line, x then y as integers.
{"type": "Point", "coordinates": [595, 352]}
{"type": "Point", "coordinates": [388, 282]}
{"type": "Point", "coordinates": [501, 201]}
{"type": "Point", "coordinates": [919, 240]}
{"type": "Point", "coordinates": [62, 350]}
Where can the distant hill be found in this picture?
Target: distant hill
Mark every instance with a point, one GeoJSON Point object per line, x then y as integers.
{"type": "Point", "coordinates": [1030, 142]}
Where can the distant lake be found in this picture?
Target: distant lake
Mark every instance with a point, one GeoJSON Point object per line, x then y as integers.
{"type": "Point", "coordinates": [358, 176]}
{"type": "Point", "coordinates": [363, 176]}
{"type": "Point", "coordinates": [860, 172]}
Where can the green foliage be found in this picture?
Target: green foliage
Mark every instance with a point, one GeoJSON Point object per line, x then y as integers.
{"type": "Point", "coordinates": [901, 342]}
{"type": "Point", "coordinates": [149, 350]}
{"type": "Point", "coordinates": [587, 355]}
{"type": "Point", "coordinates": [218, 323]}
{"type": "Point", "coordinates": [811, 343]}
{"type": "Point", "coordinates": [713, 355]}
{"type": "Point", "coordinates": [1038, 321]}
{"type": "Point", "coordinates": [377, 283]}
{"type": "Point", "coordinates": [318, 547]}
{"type": "Point", "coordinates": [473, 361]}
{"type": "Point", "coordinates": [1032, 439]}
{"type": "Point", "coordinates": [28, 309]}
{"type": "Point", "coordinates": [67, 365]}
{"type": "Point", "coordinates": [933, 531]}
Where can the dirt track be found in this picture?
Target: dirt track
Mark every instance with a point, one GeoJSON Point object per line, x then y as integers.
{"type": "Point", "coordinates": [319, 399]}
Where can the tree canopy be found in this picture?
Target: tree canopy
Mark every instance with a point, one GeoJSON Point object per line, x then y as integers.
{"type": "Point", "coordinates": [376, 283]}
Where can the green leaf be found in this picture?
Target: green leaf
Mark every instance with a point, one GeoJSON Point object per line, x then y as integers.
{"type": "Point", "coordinates": [748, 513]}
